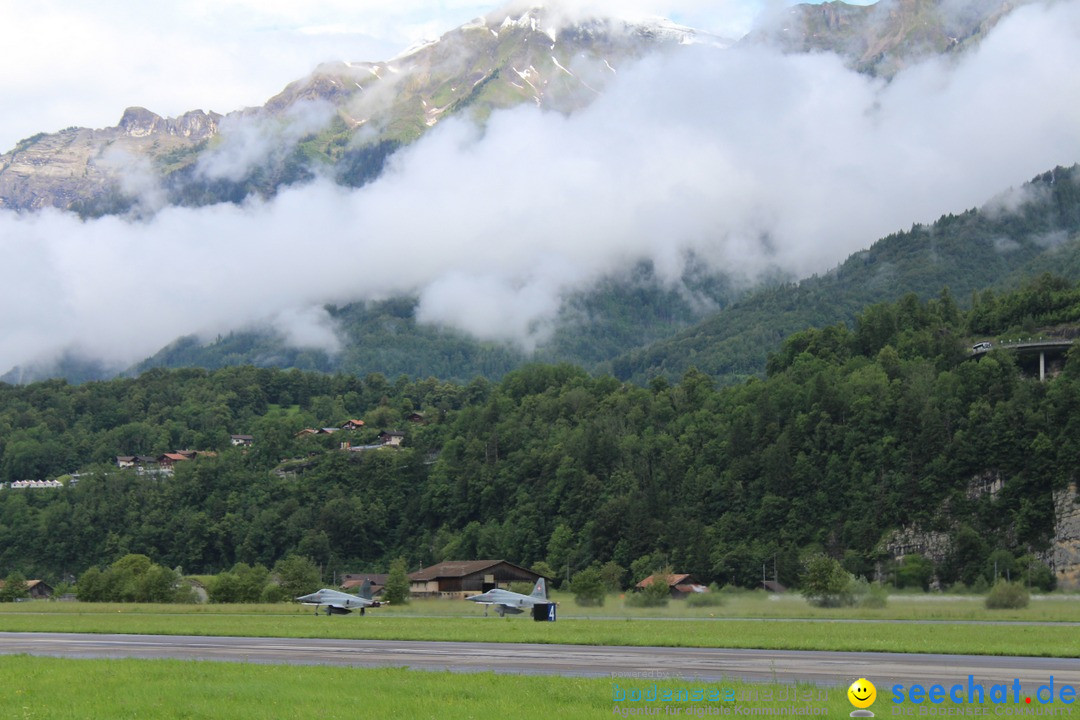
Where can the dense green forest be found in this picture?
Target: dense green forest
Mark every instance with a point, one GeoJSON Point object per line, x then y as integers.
{"type": "Point", "coordinates": [853, 432]}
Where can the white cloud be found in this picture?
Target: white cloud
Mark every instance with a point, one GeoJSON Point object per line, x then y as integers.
{"type": "Point", "coordinates": [247, 141]}
{"type": "Point", "coordinates": [745, 159]}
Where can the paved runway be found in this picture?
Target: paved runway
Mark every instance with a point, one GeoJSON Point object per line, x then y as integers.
{"type": "Point", "coordinates": [638, 664]}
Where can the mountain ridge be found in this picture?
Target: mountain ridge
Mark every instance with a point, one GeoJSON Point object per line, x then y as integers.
{"type": "Point", "coordinates": [496, 61]}
{"type": "Point", "coordinates": [478, 67]}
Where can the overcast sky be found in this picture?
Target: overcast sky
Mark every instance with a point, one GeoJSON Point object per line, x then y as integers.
{"type": "Point", "coordinates": [746, 159]}
{"type": "Point", "coordinates": [82, 62]}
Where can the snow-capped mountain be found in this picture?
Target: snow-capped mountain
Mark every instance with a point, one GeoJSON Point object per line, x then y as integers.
{"type": "Point", "coordinates": [345, 118]}
{"type": "Point", "coordinates": [342, 119]}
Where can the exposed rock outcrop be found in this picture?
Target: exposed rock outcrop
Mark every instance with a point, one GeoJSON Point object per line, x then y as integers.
{"type": "Point", "coordinates": [196, 125]}
{"type": "Point", "coordinates": [81, 165]}
{"type": "Point", "coordinates": [1065, 548]}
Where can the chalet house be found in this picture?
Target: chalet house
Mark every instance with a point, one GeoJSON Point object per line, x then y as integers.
{"type": "Point", "coordinates": [462, 578]}
{"type": "Point", "coordinates": [146, 464]}
{"type": "Point", "coordinates": [392, 438]}
{"type": "Point", "coordinates": [353, 425]}
{"type": "Point", "coordinates": [316, 431]}
{"type": "Point", "coordinates": [680, 585]}
{"type": "Point", "coordinates": [241, 440]}
{"type": "Point", "coordinates": [153, 464]}
{"type": "Point", "coordinates": [416, 418]}
{"type": "Point", "coordinates": [168, 460]}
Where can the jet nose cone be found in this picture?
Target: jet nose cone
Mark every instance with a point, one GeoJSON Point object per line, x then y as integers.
{"type": "Point", "coordinates": [313, 597]}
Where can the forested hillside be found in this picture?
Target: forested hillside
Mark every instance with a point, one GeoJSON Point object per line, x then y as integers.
{"type": "Point", "coordinates": [1014, 237]}
{"type": "Point", "coordinates": [852, 434]}
{"type": "Point", "coordinates": [620, 313]}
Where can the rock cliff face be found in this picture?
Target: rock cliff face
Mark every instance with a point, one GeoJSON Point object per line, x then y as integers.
{"type": "Point", "coordinates": [494, 62]}
{"type": "Point", "coordinates": [1065, 548]}
{"type": "Point", "coordinates": [195, 125]}
{"type": "Point", "coordinates": [80, 165]}
{"type": "Point", "coordinates": [887, 36]}
{"type": "Point", "coordinates": [932, 545]}
{"type": "Point", "coordinates": [1063, 556]}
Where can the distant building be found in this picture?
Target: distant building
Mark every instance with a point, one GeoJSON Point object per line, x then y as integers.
{"type": "Point", "coordinates": [39, 589]}
{"type": "Point", "coordinates": [352, 425]}
{"type": "Point", "coordinates": [36, 589]}
{"type": "Point", "coordinates": [392, 438]}
{"type": "Point", "coordinates": [241, 440]}
{"type": "Point", "coordinates": [36, 484]}
{"type": "Point", "coordinates": [168, 460]}
{"type": "Point", "coordinates": [353, 581]}
{"type": "Point", "coordinates": [680, 585]}
{"type": "Point", "coordinates": [461, 578]}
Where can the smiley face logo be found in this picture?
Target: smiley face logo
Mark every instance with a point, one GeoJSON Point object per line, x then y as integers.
{"type": "Point", "coordinates": [862, 693]}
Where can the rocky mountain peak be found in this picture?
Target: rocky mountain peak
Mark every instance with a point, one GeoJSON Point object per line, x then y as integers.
{"type": "Point", "coordinates": [139, 122]}
{"type": "Point", "coordinates": [883, 38]}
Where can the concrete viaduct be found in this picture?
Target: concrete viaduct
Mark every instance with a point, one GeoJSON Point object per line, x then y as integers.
{"type": "Point", "coordinates": [1058, 346]}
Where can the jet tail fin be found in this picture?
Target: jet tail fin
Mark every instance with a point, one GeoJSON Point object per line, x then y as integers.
{"type": "Point", "coordinates": [540, 591]}
{"type": "Point", "coordinates": [365, 589]}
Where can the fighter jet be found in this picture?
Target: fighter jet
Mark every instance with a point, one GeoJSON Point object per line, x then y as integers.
{"type": "Point", "coordinates": [514, 603]}
{"type": "Point", "coordinates": [339, 603]}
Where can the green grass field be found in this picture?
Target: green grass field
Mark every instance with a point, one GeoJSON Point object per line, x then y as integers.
{"type": "Point", "coordinates": [951, 632]}
{"type": "Point", "coordinates": [1056, 607]}
{"type": "Point", "coordinates": [36, 687]}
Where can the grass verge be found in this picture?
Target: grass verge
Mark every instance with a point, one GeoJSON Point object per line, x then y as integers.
{"type": "Point", "coordinates": [59, 689]}
{"type": "Point", "coordinates": [1033, 640]}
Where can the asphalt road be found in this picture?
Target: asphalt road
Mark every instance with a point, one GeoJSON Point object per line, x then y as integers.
{"type": "Point", "coordinates": [637, 665]}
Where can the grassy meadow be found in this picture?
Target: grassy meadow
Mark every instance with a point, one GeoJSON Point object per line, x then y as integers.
{"type": "Point", "coordinates": [59, 689]}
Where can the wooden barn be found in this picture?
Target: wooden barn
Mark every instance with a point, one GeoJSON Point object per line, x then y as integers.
{"type": "Point", "coordinates": [460, 578]}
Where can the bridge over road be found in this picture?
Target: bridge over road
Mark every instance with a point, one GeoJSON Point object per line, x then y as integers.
{"type": "Point", "coordinates": [1042, 346]}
